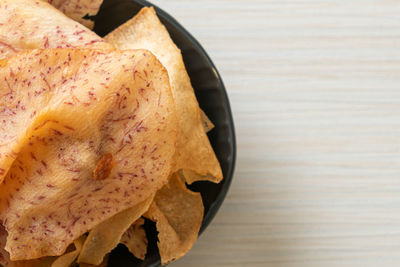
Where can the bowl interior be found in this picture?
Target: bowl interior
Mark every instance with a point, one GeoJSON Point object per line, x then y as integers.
{"type": "Point", "coordinates": [212, 98]}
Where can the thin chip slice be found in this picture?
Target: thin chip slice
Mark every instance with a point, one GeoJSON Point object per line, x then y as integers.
{"type": "Point", "coordinates": [30, 24]}
{"type": "Point", "coordinates": [135, 239]}
{"type": "Point", "coordinates": [106, 236]}
{"type": "Point", "coordinates": [5, 256]}
{"type": "Point", "coordinates": [178, 213]}
{"type": "Point", "coordinates": [62, 261]}
{"type": "Point", "coordinates": [44, 262]}
{"type": "Point", "coordinates": [78, 9]}
{"type": "Point", "coordinates": [5, 260]}
{"type": "Point", "coordinates": [67, 259]}
{"type": "Point", "coordinates": [194, 151]}
{"type": "Point", "coordinates": [103, 264]}
{"type": "Point", "coordinates": [207, 123]}
{"type": "Point", "coordinates": [50, 149]}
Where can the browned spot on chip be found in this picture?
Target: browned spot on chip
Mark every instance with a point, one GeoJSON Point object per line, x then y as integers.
{"type": "Point", "coordinates": [3, 62]}
{"type": "Point", "coordinates": [103, 167]}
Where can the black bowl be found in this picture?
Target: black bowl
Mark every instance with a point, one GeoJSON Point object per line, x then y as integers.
{"type": "Point", "coordinates": [211, 94]}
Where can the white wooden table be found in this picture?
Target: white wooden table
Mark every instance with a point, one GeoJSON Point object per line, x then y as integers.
{"type": "Point", "coordinates": [315, 91]}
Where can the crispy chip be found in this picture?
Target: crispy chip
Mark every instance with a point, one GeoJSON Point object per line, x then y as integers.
{"type": "Point", "coordinates": [68, 258]}
{"type": "Point", "coordinates": [178, 213]}
{"type": "Point", "coordinates": [36, 24]}
{"type": "Point", "coordinates": [49, 148]}
{"type": "Point", "coordinates": [207, 123]}
{"type": "Point", "coordinates": [103, 264]}
{"type": "Point", "coordinates": [62, 261]}
{"type": "Point", "coordinates": [78, 9]}
{"type": "Point", "coordinates": [194, 151]}
{"type": "Point", "coordinates": [135, 239]}
{"type": "Point", "coordinates": [106, 236]}
{"type": "Point", "coordinates": [5, 256]}
{"type": "Point", "coordinates": [43, 262]}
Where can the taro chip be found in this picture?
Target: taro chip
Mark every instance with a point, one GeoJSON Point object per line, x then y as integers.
{"type": "Point", "coordinates": [68, 258]}
{"type": "Point", "coordinates": [103, 264]}
{"type": "Point", "coordinates": [63, 261]}
{"type": "Point", "coordinates": [5, 256]}
{"type": "Point", "coordinates": [37, 24]}
{"type": "Point", "coordinates": [106, 236]}
{"type": "Point", "coordinates": [78, 10]}
{"type": "Point", "coordinates": [135, 239]}
{"type": "Point", "coordinates": [50, 150]}
{"type": "Point", "coordinates": [207, 123]}
{"type": "Point", "coordinates": [178, 213]}
{"type": "Point", "coordinates": [194, 152]}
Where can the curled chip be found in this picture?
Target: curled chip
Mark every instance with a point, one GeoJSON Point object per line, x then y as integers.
{"type": "Point", "coordinates": [78, 10]}
{"type": "Point", "coordinates": [36, 24]}
{"type": "Point", "coordinates": [62, 261]}
{"type": "Point", "coordinates": [88, 139]}
{"type": "Point", "coordinates": [178, 213]}
{"type": "Point", "coordinates": [106, 236]}
{"type": "Point", "coordinates": [194, 152]}
{"type": "Point", "coordinates": [68, 258]}
{"type": "Point", "coordinates": [5, 256]}
{"type": "Point", "coordinates": [135, 239]}
{"type": "Point", "coordinates": [49, 148]}
{"type": "Point", "coordinates": [103, 264]}
{"type": "Point", "coordinates": [207, 123]}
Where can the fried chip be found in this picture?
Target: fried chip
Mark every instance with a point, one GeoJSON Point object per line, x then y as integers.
{"type": "Point", "coordinates": [62, 261]}
{"type": "Point", "coordinates": [135, 239]}
{"type": "Point", "coordinates": [37, 24]}
{"type": "Point", "coordinates": [49, 148]}
{"type": "Point", "coordinates": [67, 259]}
{"type": "Point", "coordinates": [178, 213]}
{"type": "Point", "coordinates": [207, 123]}
{"type": "Point", "coordinates": [103, 264]}
{"type": "Point", "coordinates": [5, 256]}
{"type": "Point", "coordinates": [106, 236]}
{"type": "Point", "coordinates": [78, 9]}
{"type": "Point", "coordinates": [194, 151]}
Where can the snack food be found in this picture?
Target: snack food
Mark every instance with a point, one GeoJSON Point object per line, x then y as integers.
{"type": "Point", "coordinates": [194, 153]}
{"type": "Point", "coordinates": [207, 123]}
{"type": "Point", "coordinates": [106, 235]}
{"type": "Point", "coordinates": [30, 24]}
{"type": "Point", "coordinates": [79, 10]}
{"type": "Point", "coordinates": [178, 213]}
{"type": "Point", "coordinates": [89, 136]}
{"type": "Point", "coordinates": [134, 121]}
{"type": "Point", "coordinates": [135, 239]}
{"type": "Point", "coordinates": [68, 258]}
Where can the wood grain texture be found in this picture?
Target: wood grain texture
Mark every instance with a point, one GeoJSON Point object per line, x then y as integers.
{"type": "Point", "coordinates": [315, 91]}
